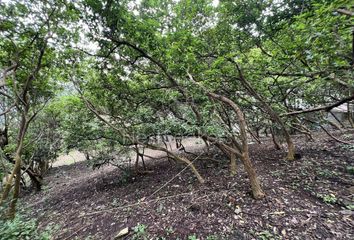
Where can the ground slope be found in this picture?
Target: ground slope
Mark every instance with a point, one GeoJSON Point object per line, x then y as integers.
{"type": "Point", "coordinates": [309, 198]}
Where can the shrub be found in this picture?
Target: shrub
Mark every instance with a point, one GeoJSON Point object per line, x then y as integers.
{"type": "Point", "coordinates": [21, 229]}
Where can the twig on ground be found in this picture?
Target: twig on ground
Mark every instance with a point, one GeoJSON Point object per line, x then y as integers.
{"type": "Point", "coordinates": [139, 203]}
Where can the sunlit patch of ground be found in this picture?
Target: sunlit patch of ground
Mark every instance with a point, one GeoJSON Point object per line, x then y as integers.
{"type": "Point", "coordinates": [70, 158]}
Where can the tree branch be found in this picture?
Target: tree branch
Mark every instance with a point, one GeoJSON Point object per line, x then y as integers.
{"type": "Point", "coordinates": [8, 110]}
{"type": "Point", "coordinates": [323, 108]}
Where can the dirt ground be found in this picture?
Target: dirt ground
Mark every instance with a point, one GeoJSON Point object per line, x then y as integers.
{"type": "Point", "coordinates": [309, 198]}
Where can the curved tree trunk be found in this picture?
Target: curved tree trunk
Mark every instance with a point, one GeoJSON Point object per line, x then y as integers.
{"type": "Point", "coordinates": [257, 191]}
{"type": "Point", "coordinates": [255, 137]}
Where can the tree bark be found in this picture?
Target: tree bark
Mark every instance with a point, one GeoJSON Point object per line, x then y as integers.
{"type": "Point", "coordinates": [233, 165]}
{"type": "Point", "coordinates": [291, 147]}
{"type": "Point", "coordinates": [16, 173]}
{"type": "Point", "coordinates": [350, 117]}
{"type": "Point", "coordinates": [4, 139]}
{"type": "Point", "coordinates": [35, 180]}
{"type": "Point", "coordinates": [257, 191]}
{"type": "Point", "coordinates": [255, 185]}
{"type": "Point", "coordinates": [322, 108]}
{"type": "Point", "coordinates": [12, 207]}
{"type": "Point", "coordinates": [275, 141]}
{"type": "Point", "coordinates": [272, 114]}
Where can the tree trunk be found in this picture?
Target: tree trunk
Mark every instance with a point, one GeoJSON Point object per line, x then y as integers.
{"type": "Point", "coordinates": [12, 207]}
{"type": "Point", "coordinates": [272, 114]}
{"type": "Point", "coordinates": [142, 159]}
{"type": "Point", "coordinates": [291, 149]}
{"type": "Point", "coordinates": [181, 159]}
{"type": "Point", "coordinates": [254, 137]}
{"type": "Point", "coordinates": [16, 170]}
{"type": "Point", "coordinates": [266, 132]}
{"type": "Point", "coordinates": [275, 141]}
{"type": "Point", "coordinates": [255, 185]}
{"type": "Point", "coordinates": [8, 184]}
{"type": "Point", "coordinates": [257, 191]}
{"type": "Point", "coordinates": [194, 170]}
{"type": "Point", "coordinates": [137, 163]}
{"type": "Point", "coordinates": [206, 144]}
{"type": "Point", "coordinates": [4, 139]}
{"type": "Point", "coordinates": [233, 165]}
{"type": "Point", "coordinates": [350, 117]}
{"type": "Point", "coordinates": [35, 180]}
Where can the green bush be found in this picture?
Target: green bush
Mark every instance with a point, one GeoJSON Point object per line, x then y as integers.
{"type": "Point", "coordinates": [21, 229]}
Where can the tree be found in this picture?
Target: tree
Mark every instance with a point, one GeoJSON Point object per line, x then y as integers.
{"type": "Point", "coordinates": [168, 69]}
{"type": "Point", "coordinates": [28, 63]}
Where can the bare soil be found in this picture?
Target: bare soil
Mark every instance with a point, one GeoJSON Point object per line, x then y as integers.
{"type": "Point", "coordinates": [309, 198]}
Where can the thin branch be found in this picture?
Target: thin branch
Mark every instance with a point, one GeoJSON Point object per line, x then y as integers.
{"type": "Point", "coordinates": [5, 95]}
{"type": "Point", "coordinates": [8, 110]}
{"type": "Point", "coordinates": [36, 113]}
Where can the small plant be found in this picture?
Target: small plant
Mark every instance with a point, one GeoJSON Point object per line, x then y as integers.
{"type": "Point", "coordinates": [192, 237]}
{"type": "Point", "coordinates": [326, 173]}
{"type": "Point", "coordinates": [170, 230]}
{"type": "Point", "coordinates": [350, 207]}
{"type": "Point", "coordinates": [347, 136]}
{"type": "Point", "coordinates": [276, 173]}
{"type": "Point", "coordinates": [328, 198]}
{"type": "Point", "coordinates": [348, 147]}
{"type": "Point", "coordinates": [212, 237]}
{"type": "Point", "coordinates": [140, 231]}
{"type": "Point", "coordinates": [266, 235]}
